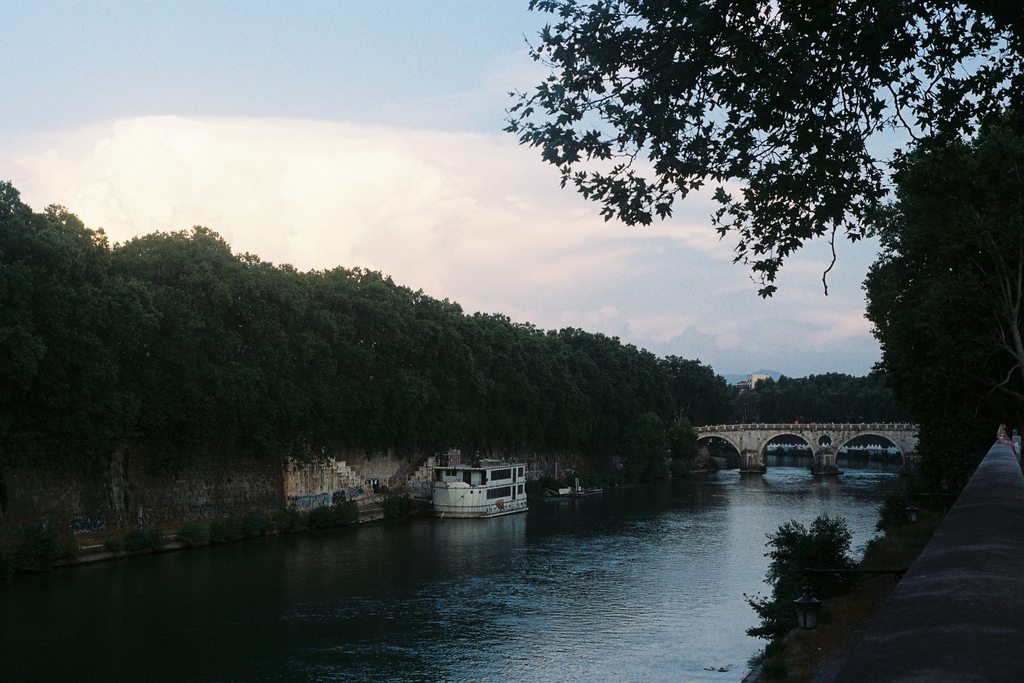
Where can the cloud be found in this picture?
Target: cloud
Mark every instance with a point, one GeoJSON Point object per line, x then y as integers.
{"type": "Point", "coordinates": [474, 218]}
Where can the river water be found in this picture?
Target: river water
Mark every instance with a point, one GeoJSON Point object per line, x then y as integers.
{"type": "Point", "coordinates": [640, 584]}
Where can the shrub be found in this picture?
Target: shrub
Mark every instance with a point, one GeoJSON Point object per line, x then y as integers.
{"type": "Point", "coordinates": [225, 529]}
{"type": "Point", "coordinates": [541, 485]}
{"type": "Point", "coordinates": [114, 544]}
{"type": "Point", "coordinates": [343, 512]}
{"type": "Point", "coordinates": [40, 546]}
{"type": "Point", "coordinates": [774, 648]}
{"type": "Point", "coordinates": [156, 539]}
{"type": "Point", "coordinates": [194, 534]}
{"type": "Point", "coordinates": [135, 541]}
{"type": "Point", "coordinates": [792, 549]}
{"type": "Point", "coordinates": [67, 547]}
{"type": "Point", "coordinates": [143, 540]}
{"type": "Point", "coordinates": [253, 523]}
{"type": "Point", "coordinates": [6, 568]}
{"type": "Point", "coordinates": [396, 506]}
{"type": "Point", "coordinates": [681, 467]}
{"type": "Point", "coordinates": [289, 520]}
{"type": "Point", "coordinates": [774, 670]}
{"type": "Point", "coordinates": [893, 511]}
{"type": "Point", "coordinates": [322, 517]}
{"type": "Point", "coordinates": [348, 511]}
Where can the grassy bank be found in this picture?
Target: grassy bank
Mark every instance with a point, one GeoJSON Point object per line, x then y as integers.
{"type": "Point", "coordinates": [844, 618]}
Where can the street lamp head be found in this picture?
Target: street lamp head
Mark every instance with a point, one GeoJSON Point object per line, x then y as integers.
{"type": "Point", "coordinates": [807, 610]}
{"type": "Point", "coordinates": [912, 513]}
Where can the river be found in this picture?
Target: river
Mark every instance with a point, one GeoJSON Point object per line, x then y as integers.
{"type": "Point", "coordinates": [640, 584]}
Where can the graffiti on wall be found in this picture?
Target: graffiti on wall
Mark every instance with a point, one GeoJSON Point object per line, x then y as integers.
{"type": "Point", "coordinates": [84, 525]}
{"type": "Point", "coordinates": [309, 501]}
{"type": "Point", "coordinates": [315, 500]}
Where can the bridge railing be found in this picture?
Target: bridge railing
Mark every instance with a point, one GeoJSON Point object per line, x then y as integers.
{"type": "Point", "coordinates": [813, 426]}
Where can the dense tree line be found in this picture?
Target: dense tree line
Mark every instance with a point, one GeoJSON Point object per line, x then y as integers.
{"type": "Point", "coordinates": [830, 397]}
{"type": "Point", "coordinates": [946, 294]}
{"type": "Point", "coordinates": [192, 348]}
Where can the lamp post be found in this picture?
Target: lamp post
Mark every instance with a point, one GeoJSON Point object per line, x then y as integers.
{"type": "Point", "coordinates": [807, 610]}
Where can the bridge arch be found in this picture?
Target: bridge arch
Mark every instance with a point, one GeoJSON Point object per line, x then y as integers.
{"type": "Point", "coordinates": [763, 448]}
{"type": "Point", "coordinates": [720, 437]}
{"type": "Point", "coordinates": [875, 435]}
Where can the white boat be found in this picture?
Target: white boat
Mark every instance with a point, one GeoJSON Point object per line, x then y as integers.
{"type": "Point", "coordinates": [487, 488]}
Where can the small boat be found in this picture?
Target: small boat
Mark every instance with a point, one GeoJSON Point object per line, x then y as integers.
{"type": "Point", "coordinates": [579, 492]}
{"type": "Point", "coordinates": [486, 488]}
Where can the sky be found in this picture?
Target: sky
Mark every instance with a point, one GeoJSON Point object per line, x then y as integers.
{"type": "Point", "coordinates": [369, 134]}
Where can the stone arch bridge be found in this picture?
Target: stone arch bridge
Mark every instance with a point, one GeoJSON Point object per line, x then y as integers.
{"type": "Point", "coordinates": [751, 441]}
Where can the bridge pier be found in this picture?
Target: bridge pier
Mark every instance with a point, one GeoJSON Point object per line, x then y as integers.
{"type": "Point", "coordinates": [910, 464]}
{"type": "Point", "coordinates": [752, 462]}
{"type": "Point", "coordinates": [825, 462]}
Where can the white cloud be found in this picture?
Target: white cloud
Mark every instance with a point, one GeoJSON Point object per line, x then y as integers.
{"type": "Point", "coordinates": [474, 218]}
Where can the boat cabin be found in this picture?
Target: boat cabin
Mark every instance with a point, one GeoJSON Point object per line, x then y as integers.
{"type": "Point", "coordinates": [486, 488]}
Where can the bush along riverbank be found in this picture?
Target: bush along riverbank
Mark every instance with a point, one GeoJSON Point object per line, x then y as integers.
{"type": "Point", "coordinates": [850, 602]}
{"type": "Point", "coordinates": [546, 486]}
{"type": "Point", "coordinates": [44, 547]}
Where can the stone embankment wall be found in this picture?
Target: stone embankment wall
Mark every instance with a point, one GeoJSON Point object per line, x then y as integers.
{"type": "Point", "coordinates": [133, 491]}
{"type": "Point", "coordinates": [558, 464]}
{"type": "Point", "coordinates": [956, 615]}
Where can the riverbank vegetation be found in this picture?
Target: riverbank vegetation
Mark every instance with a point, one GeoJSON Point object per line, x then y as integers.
{"type": "Point", "coordinates": [805, 654]}
{"type": "Point", "coordinates": [849, 602]}
{"type": "Point", "coordinates": [946, 296]}
{"type": "Point", "coordinates": [825, 544]}
{"type": "Point", "coordinates": [42, 547]}
{"type": "Point", "coordinates": [187, 346]}
{"type": "Point", "coordinates": [829, 397]}
{"type": "Point", "coordinates": [191, 348]}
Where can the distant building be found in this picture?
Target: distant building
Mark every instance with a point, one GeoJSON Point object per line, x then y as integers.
{"type": "Point", "coordinates": [742, 385]}
{"type": "Point", "coordinates": [752, 380]}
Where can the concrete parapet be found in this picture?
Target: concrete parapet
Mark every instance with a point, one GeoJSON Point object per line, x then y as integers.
{"type": "Point", "coordinates": [958, 615]}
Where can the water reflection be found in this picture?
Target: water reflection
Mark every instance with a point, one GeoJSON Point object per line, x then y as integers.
{"type": "Point", "coordinates": [641, 583]}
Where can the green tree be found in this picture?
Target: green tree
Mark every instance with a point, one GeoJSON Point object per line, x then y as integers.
{"type": "Point", "coordinates": [199, 352]}
{"type": "Point", "coordinates": [649, 100]}
{"type": "Point", "coordinates": [945, 295]}
{"type": "Point", "coordinates": [682, 440]}
{"type": "Point", "coordinates": [645, 450]}
{"type": "Point", "coordinates": [831, 397]}
{"type": "Point", "coordinates": [698, 394]}
{"type": "Point", "coordinates": [69, 328]}
{"type": "Point", "coordinates": [791, 550]}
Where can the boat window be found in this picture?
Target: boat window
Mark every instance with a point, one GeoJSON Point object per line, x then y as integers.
{"type": "Point", "coordinates": [467, 477]}
{"type": "Point", "coordinates": [520, 489]}
{"type": "Point", "coordinates": [501, 474]}
{"type": "Point", "coordinates": [438, 475]}
{"type": "Point", "coordinates": [502, 492]}
{"type": "Point", "coordinates": [520, 472]}
{"type": "Point", "coordinates": [483, 477]}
